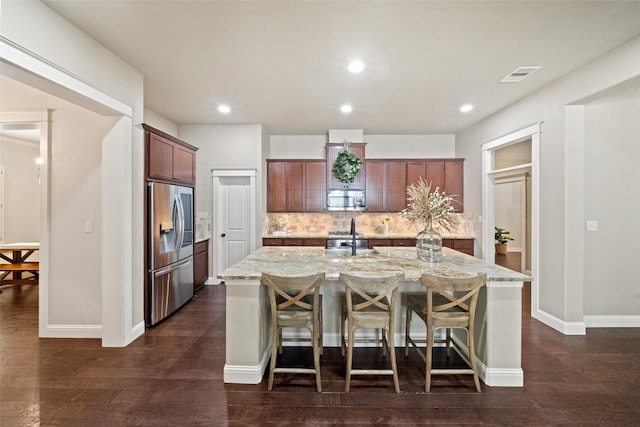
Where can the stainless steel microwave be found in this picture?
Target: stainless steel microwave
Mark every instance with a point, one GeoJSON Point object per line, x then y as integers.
{"type": "Point", "coordinates": [345, 200]}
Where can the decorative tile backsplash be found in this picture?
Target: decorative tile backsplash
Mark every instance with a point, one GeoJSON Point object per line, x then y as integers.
{"type": "Point", "coordinates": [366, 223]}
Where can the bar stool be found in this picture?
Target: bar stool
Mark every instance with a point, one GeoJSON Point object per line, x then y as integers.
{"type": "Point", "coordinates": [367, 306]}
{"type": "Point", "coordinates": [450, 303]}
{"type": "Point", "coordinates": [295, 303]}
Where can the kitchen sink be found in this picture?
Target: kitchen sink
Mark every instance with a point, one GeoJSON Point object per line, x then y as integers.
{"type": "Point", "coordinates": [347, 251]}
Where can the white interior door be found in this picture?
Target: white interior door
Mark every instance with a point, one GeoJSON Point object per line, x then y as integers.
{"type": "Point", "coordinates": [234, 216]}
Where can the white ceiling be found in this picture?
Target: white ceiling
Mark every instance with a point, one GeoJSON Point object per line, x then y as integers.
{"type": "Point", "coordinates": [283, 63]}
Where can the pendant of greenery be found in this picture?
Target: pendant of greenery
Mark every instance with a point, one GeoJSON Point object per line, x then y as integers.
{"type": "Point", "coordinates": [346, 167]}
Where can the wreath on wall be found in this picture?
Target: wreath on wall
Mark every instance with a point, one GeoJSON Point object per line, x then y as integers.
{"type": "Point", "coordinates": [346, 166]}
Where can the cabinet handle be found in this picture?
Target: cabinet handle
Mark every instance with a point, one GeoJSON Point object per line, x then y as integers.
{"type": "Point", "coordinates": [223, 235]}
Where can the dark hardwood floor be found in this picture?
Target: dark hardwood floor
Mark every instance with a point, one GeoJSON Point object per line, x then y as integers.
{"type": "Point", "coordinates": [173, 376]}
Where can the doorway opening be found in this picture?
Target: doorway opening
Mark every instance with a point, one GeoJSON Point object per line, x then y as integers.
{"type": "Point", "coordinates": [511, 168]}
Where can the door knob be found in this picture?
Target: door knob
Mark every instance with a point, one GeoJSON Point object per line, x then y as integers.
{"type": "Point", "coordinates": [223, 235]}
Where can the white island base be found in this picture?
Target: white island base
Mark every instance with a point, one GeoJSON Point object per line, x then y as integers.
{"type": "Point", "coordinates": [248, 332]}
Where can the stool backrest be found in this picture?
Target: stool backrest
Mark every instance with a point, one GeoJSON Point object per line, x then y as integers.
{"type": "Point", "coordinates": [372, 290]}
{"type": "Point", "coordinates": [292, 289]}
{"type": "Point", "coordinates": [460, 293]}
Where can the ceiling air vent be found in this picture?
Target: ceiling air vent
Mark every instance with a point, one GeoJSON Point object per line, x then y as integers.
{"type": "Point", "coordinates": [519, 74]}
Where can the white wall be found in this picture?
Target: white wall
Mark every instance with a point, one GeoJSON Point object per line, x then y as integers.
{"type": "Point", "coordinates": [559, 290]}
{"type": "Point", "coordinates": [21, 190]}
{"type": "Point", "coordinates": [612, 189]}
{"type": "Point", "coordinates": [159, 122]}
{"type": "Point", "coordinates": [226, 147]}
{"type": "Point", "coordinates": [378, 146]}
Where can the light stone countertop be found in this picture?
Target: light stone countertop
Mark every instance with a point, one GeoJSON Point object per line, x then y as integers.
{"type": "Point", "coordinates": [305, 260]}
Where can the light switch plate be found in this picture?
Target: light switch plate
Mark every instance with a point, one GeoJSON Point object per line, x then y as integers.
{"type": "Point", "coordinates": [592, 225]}
{"type": "Point", "coordinates": [88, 227]}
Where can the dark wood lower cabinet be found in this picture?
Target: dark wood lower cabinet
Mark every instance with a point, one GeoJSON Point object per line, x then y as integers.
{"type": "Point", "coordinates": [461, 245]}
{"type": "Point", "coordinates": [270, 241]}
{"type": "Point", "coordinates": [392, 242]}
{"type": "Point", "coordinates": [200, 264]}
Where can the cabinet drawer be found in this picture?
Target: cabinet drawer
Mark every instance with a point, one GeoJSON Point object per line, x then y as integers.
{"type": "Point", "coordinates": [459, 244]}
{"type": "Point", "coordinates": [292, 242]}
{"type": "Point", "coordinates": [200, 247]}
{"type": "Point", "coordinates": [315, 242]}
{"type": "Point", "coordinates": [404, 242]}
{"type": "Point", "coordinates": [380, 242]}
{"type": "Point", "coordinates": [271, 242]}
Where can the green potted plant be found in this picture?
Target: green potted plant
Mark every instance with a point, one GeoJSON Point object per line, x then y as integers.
{"type": "Point", "coordinates": [501, 240]}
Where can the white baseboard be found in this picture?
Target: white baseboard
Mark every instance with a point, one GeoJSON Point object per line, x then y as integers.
{"type": "Point", "coordinates": [501, 377]}
{"type": "Point", "coordinates": [212, 281]}
{"type": "Point", "coordinates": [136, 332]}
{"type": "Point", "coordinates": [613, 321]}
{"type": "Point", "coordinates": [247, 374]}
{"type": "Point", "coordinates": [73, 331]}
{"type": "Point", "coordinates": [494, 377]}
{"type": "Point", "coordinates": [243, 374]}
{"type": "Point", "coordinates": [567, 328]}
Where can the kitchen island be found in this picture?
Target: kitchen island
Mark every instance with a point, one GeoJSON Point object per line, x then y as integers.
{"type": "Point", "coordinates": [248, 333]}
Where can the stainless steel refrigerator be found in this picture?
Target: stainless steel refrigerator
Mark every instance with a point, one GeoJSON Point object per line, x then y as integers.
{"type": "Point", "coordinates": [171, 234]}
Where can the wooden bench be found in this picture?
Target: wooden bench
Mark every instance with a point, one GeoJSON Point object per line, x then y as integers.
{"type": "Point", "coordinates": [16, 270]}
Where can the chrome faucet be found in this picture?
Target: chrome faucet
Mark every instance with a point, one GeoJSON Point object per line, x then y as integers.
{"type": "Point", "coordinates": [353, 237]}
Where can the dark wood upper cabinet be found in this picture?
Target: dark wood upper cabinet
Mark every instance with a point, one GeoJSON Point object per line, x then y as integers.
{"type": "Point", "coordinates": [397, 189]}
{"type": "Point", "coordinates": [296, 185]}
{"type": "Point", "coordinates": [168, 158]}
{"type": "Point", "coordinates": [445, 174]}
{"type": "Point", "coordinates": [454, 179]}
{"type": "Point", "coordinates": [276, 186]}
{"type": "Point", "coordinates": [315, 180]}
{"type": "Point", "coordinates": [332, 154]}
{"type": "Point", "coordinates": [376, 191]}
{"type": "Point", "coordinates": [386, 185]}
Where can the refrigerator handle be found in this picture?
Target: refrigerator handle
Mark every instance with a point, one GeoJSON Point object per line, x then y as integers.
{"type": "Point", "coordinates": [168, 269]}
{"type": "Point", "coordinates": [180, 220]}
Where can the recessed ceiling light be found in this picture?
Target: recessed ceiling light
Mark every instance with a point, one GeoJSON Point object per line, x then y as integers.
{"type": "Point", "coordinates": [466, 108]}
{"type": "Point", "coordinates": [346, 108]}
{"type": "Point", "coordinates": [356, 66]}
{"type": "Point", "coordinates": [224, 109]}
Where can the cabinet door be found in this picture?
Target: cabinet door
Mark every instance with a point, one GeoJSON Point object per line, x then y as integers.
{"type": "Point", "coordinates": [376, 186]}
{"type": "Point", "coordinates": [332, 154]}
{"type": "Point", "coordinates": [295, 186]}
{"type": "Point", "coordinates": [160, 157]}
{"type": "Point", "coordinates": [200, 268]}
{"type": "Point", "coordinates": [184, 165]}
{"type": "Point", "coordinates": [315, 180]}
{"type": "Point", "coordinates": [276, 187]}
{"type": "Point", "coordinates": [397, 187]}
{"type": "Point", "coordinates": [454, 178]}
